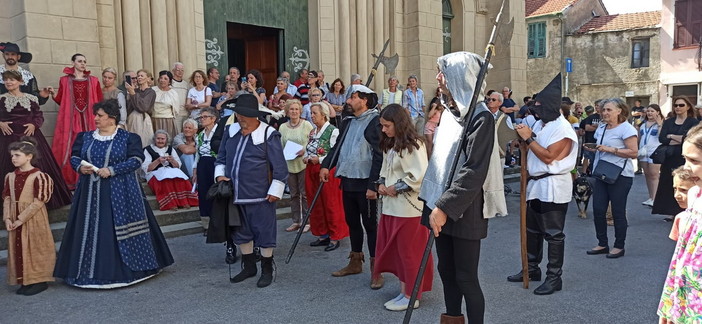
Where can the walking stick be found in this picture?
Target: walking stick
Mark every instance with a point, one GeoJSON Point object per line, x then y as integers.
{"type": "Point", "coordinates": [489, 50]}
{"type": "Point", "coordinates": [305, 219]}
{"type": "Point", "coordinates": [522, 215]}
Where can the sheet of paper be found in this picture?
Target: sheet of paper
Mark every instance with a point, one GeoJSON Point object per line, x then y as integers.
{"type": "Point", "coordinates": [291, 149]}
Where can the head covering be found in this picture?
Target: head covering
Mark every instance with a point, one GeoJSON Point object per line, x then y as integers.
{"type": "Point", "coordinates": [461, 71]}
{"type": "Point", "coordinates": [312, 74]}
{"type": "Point", "coordinates": [550, 101]}
{"type": "Point", "coordinates": [25, 57]}
{"type": "Point", "coordinates": [360, 88]}
{"type": "Point", "coordinates": [567, 100]}
{"type": "Point", "coordinates": [246, 105]}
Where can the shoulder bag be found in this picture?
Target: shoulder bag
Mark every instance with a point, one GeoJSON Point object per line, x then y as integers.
{"type": "Point", "coordinates": [607, 172]}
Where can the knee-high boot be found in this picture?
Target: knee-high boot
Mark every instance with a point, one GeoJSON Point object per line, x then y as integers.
{"type": "Point", "coordinates": [554, 223]}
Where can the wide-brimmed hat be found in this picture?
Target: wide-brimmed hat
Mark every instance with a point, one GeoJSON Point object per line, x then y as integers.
{"type": "Point", "coordinates": [245, 105]}
{"type": "Point", "coordinates": [25, 57]}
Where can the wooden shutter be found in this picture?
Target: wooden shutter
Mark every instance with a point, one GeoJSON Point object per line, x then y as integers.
{"type": "Point", "coordinates": [541, 39]}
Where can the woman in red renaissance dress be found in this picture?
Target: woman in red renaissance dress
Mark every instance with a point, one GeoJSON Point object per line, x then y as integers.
{"type": "Point", "coordinates": [77, 93]}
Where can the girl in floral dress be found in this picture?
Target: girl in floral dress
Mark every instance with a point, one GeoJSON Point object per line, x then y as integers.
{"type": "Point", "coordinates": [681, 301]}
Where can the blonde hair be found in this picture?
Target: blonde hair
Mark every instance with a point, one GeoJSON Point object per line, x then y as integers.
{"type": "Point", "coordinates": [291, 102]}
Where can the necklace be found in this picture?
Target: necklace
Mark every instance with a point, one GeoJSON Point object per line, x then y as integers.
{"type": "Point", "coordinates": [294, 126]}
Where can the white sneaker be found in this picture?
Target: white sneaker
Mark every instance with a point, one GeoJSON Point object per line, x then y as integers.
{"type": "Point", "coordinates": [392, 301]}
{"type": "Point", "coordinates": [401, 304]}
{"type": "Point", "coordinates": [648, 202]}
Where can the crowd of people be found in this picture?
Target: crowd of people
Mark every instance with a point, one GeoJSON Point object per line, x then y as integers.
{"type": "Point", "coordinates": [368, 155]}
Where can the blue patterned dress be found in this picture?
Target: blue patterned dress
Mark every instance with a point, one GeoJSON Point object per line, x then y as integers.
{"type": "Point", "coordinates": [112, 238]}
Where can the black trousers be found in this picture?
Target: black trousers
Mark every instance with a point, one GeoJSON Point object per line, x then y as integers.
{"type": "Point", "coordinates": [361, 213]}
{"type": "Point", "coordinates": [458, 268]}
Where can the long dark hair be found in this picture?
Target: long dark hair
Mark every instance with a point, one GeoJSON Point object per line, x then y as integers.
{"type": "Point", "coordinates": [406, 136]}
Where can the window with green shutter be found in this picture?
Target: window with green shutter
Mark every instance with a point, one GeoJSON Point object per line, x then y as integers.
{"type": "Point", "coordinates": [536, 34]}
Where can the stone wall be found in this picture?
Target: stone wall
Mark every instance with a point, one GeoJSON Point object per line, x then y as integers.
{"type": "Point", "coordinates": [602, 65]}
{"type": "Point", "coordinates": [581, 12]}
{"type": "Point", "coordinates": [124, 34]}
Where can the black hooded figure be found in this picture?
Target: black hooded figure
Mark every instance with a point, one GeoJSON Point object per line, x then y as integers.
{"type": "Point", "coordinates": [552, 155]}
{"type": "Point", "coordinates": [547, 106]}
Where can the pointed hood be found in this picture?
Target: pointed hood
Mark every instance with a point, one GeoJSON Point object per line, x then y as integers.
{"type": "Point", "coordinates": [548, 101]}
{"type": "Point", "coordinates": [461, 71]}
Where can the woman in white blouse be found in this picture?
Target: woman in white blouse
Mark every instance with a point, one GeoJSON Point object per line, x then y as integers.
{"type": "Point", "coordinates": [401, 237]}
{"type": "Point", "coordinates": [163, 116]}
{"type": "Point", "coordinates": [199, 96]}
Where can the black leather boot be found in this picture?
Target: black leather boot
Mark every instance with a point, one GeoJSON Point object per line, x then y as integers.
{"type": "Point", "coordinates": [230, 258]}
{"type": "Point", "coordinates": [248, 268]}
{"type": "Point", "coordinates": [266, 272]}
{"type": "Point", "coordinates": [535, 249]}
{"type": "Point", "coordinates": [555, 237]}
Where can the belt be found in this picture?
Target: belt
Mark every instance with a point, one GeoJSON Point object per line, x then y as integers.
{"type": "Point", "coordinates": [545, 175]}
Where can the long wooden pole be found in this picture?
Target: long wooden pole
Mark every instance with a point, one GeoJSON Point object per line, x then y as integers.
{"type": "Point", "coordinates": [522, 214]}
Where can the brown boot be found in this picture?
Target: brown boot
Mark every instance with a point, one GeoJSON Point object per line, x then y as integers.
{"type": "Point", "coordinates": [377, 282]}
{"type": "Point", "coordinates": [446, 319]}
{"type": "Point", "coordinates": [355, 265]}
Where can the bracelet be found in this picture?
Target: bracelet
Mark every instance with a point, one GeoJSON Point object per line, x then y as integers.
{"type": "Point", "coordinates": [615, 151]}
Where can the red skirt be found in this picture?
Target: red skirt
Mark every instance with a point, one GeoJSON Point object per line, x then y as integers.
{"type": "Point", "coordinates": [399, 248]}
{"type": "Point", "coordinates": [173, 193]}
{"type": "Point", "coordinates": [327, 216]}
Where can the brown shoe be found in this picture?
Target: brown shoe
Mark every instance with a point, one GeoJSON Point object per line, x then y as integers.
{"type": "Point", "coordinates": [355, 265]}
{"type": "Point", "coordinates": [377, 282]}
{"type": "Point", "coordinates": [446, 319]}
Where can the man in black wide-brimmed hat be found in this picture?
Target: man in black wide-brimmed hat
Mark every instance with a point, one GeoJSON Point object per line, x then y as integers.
{"type": "Point", "coordinates": [251, 157]}
{"type": "Point", "coordinates": [13, 56]}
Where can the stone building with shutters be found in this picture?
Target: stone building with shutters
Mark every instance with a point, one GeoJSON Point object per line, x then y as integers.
{"type": "Point", "coordinates": [336, 36]}
{"type": "Point", "coordinates": [612, 55]}
{"type": "Point", "coordinates": [681, 56]}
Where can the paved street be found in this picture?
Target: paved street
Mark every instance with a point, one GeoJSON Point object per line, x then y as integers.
{"type": "Point", "coordinates": [196, 288]}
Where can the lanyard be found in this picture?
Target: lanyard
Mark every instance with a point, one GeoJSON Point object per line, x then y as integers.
{"type": "Point", "coordinates": [645, 141]}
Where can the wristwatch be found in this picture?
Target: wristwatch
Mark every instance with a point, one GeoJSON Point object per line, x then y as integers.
{"type": "Point", "coordinates": [529, 141]}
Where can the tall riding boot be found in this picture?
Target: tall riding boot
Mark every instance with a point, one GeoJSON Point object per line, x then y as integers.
{"type": "Point", "coordinates": [554, 222]}
{"type": "Point", "coordinates": [248, 268]}
{"type": "Point", "coordinates": [266, 272]}
{"type": "Point", "coordinates": [535, 250]}
{"type": "Point", "coordinates": [447, 319]}
{"type": "Point", "coordinates": [355, 265]}
{"type": "Point", "coordinates": [377, 282]}
{"type": "Point", "coordinates": [230, 257]}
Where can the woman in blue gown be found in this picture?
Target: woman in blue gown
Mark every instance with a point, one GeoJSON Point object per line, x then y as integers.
{"type": "Point", "coordinates": [112, 238]}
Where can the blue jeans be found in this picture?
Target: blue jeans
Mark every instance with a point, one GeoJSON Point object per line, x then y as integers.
{"type": "Point", "coordinates": [615, 193]}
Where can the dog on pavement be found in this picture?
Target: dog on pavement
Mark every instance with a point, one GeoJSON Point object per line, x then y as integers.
{"type": "Point", "coordinates": [582, 192]}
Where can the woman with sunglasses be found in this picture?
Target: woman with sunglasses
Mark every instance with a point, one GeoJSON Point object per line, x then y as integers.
{"type": "Point", "coordinates": [672, 134]}
{"type": "Point", "coordinates": [207, 143]}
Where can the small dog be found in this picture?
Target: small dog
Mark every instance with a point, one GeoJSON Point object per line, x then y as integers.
{"type": "Point", "coordinates": [582, 191]}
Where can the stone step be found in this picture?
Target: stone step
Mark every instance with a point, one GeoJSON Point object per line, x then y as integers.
{"type": "Point", "coordinates": [185, 222]}
{"type": "Point", "coordinates": [164, 219]}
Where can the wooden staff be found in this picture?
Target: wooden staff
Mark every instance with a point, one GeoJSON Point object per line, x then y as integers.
{"type": "Point", "coordinates": [522, 214]}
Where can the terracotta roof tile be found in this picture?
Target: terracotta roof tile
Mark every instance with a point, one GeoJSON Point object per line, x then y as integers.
{"type": "Point", "coordinates": [621, 22]}
{"type": "Point", "coordinates": [544, 7]}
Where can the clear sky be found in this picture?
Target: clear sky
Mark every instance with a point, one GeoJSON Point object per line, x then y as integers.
{"type": "Point", "coordinates": [626, 6]}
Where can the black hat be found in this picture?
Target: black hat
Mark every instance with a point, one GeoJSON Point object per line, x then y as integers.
{"type": "Point", "coordinates": [245, 105]}
{"type": "Point", "coordinates": [14, 48]}
{"type": "Point", "coordinates": [550, 101]}
{"type": "Point", "coordinates": [567, 100]}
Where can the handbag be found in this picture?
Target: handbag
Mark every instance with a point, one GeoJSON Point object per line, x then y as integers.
{"type": "Point", "coordinates": [643, 153]}
{"type": "Point", "coordinates": [607, 172]}
{"type": "Point", "coordinates": [658, 156]}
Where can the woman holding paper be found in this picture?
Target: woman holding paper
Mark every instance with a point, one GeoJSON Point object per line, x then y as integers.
{"type": "Point", "coordinates": [112, 238]}
{"type": "Point", "coordinates": [295, 131]}
{"type": "Point", "coordinates": [327, 219]}
{"type": "Point", "coordinates": [162, 168]}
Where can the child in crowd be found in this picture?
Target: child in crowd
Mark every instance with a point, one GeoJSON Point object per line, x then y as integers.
{"type": "Point", "coordinates": [31, 251]}
{"type": "Point", "coordinates": [680, 300]}
{"type": "Point", "coordinates": [683, 180]}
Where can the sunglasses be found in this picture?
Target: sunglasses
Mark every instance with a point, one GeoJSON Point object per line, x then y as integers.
{"type": "Point", "coordinates": [316, 95]}
{"type": "Point", "coordinates": [679, 105]}
{"type": "Point", "coordinates": [493, 99]}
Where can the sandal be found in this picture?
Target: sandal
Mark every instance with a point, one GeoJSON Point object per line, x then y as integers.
{"type": "Point", "coordinates": [293, 227]}
{"type": "Point", "coordinates": [306, 229]}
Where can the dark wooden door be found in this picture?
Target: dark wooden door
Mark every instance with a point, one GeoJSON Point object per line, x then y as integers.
{"type": "Point", "coordinates": [262, 54]}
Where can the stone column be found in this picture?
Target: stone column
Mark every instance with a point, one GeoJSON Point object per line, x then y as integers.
{"type": "Point", "coordinates": [132, 35]}
{"type": "Point", "coordinates": [172, 30]}
{"type": "Point", "coordinates": [344, 63]}
{"type": "Point", "coordinates": [187, 45]}
{"type": "Point", "coordinates": [378, 42]}
{"type": "Point", "coordinates": [362, 36]}
{"type": "Point", "coordinates": [146, 42]}
{"type": "Point", "coordinates": [159, 34]}
{"type": "Point", "coordinates": [119, 37]}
